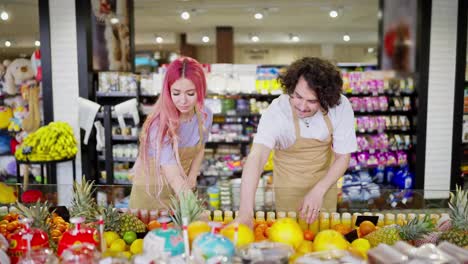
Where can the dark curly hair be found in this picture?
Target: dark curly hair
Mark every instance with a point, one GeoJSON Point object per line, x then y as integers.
{"type": "Point", "coordinates": [322, 77]}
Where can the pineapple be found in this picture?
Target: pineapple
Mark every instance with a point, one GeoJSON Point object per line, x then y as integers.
{"type": "Point", "coordinates": [129, 222]}
{"type": "Point", "coordinates": [412, 231]}
{"type": "Point", "coordinates": [83, 203]}
{"type": "Point", "coordinates": [39, 213]}
{"type": "Point", "coordinates": [458, 205]}
{"type": "Point", "coordinates": [111, 218]}
{"type": "Point", "coordinates": [187, 205]}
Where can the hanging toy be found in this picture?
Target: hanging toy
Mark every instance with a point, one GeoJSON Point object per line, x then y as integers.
{"type": "Point", "coordinates": [78, 235]}
{"type": "Point", "coordinates": [25, 240]}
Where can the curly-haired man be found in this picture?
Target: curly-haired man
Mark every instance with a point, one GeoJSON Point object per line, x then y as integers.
{"type": "Point", "coordinates": [311, 130]}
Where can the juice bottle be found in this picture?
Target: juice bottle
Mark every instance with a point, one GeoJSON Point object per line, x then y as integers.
{"type": "Point", "coordinates": [228, 217]}
{"type": "Point", "coordinates": [260, 218]}
{"type": "Point", "coordinates": [401, 219]}
{"type": "Point", "coordinates": [346, 220]}
{"type": "Point", "coordinates": [354, 219]}
{"type": "Point", "coordinates": [292, 215]}
{"type": "Point", "coordinates": [218, 216]}
{"type": "Point", "coordinates": [411, 216]}
{"type": "Point", "coordinates": [324, 221]}
{"type": "Point", "coordinates": [389, 219]}
{"type": "Point", "coordinates": [380, 221]}
{"type": "Point", "coordinates": [271, 218]}
{"type": "Point", "coordinates": [334, 219]}
{"type": "Point", "coordinates": [302, 223]}
{"type": "Point", "coordinates": [280, 215]}
{"type": "Point", "coordinates": [207, 213]}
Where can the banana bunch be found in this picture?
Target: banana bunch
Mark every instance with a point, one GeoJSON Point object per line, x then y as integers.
{"type": "Point", "coordinates": [49, 143]}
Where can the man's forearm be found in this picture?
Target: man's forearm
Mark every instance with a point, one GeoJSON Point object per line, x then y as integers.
{"type": "Point", "coordinates": [253, 168]}
{"type": "Point", "coordinates": [336, 170]}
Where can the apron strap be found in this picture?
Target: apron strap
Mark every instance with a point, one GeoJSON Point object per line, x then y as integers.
{"type": "Point", "coordinates": [329, 124]}
{"type": "Point", "coordinates": [200, 127]}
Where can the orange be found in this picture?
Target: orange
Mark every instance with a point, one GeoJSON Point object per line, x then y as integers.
{"type": "Point", "coordinates": [153, 224]}
{"type": "Point", "coordinates": [309, 235]}
{"type": "Point", "coordinates": [366, 227]}
{"type": "Point", "coordinates": [342, 229]}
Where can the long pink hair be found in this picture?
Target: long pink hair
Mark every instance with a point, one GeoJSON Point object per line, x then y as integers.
{"type": "Point", "coordinates": [166, 117]}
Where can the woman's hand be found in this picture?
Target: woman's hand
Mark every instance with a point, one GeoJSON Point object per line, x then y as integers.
{"type": "Point", "coordinates": [311, 205]}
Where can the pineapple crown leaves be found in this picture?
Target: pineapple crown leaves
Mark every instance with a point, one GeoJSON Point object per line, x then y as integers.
{"type": "Point", "coordinates": [83, 203]}
{"type": "Point", "coordinates": [187, 204]}
{"type": "Point", "coordinates": [458, 205]}
{"type": "Point", "coordinates": [38, 212]}
{"type": "Point", "coordinates": [416, 228]}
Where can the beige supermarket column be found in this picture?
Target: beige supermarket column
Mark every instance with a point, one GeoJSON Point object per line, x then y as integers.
{"type": "Point", "coordinates": [65, 82]}
{"type": "Point", "coordinates": [441, 89]}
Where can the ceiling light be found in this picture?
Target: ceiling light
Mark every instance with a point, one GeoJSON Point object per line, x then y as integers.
{"type": "Point", "coordinates": [4, 15]}
{"type": "Point", "coordinates": [333, 14]}
{"type": "Point", "coordinates": [159, 39]}
{"type": "Point", "coordinates": [205, 39]}
{"type": "Point", "coordinates": [37, 43]}
{"type": "Point", "coordinates": [295, 38]}
{"type": "Point", "coordinates": [258, 16]}
{"type": "Point", "coordinates": [7, 43]}
{"type": "Point", "coordinates": [346, 38]}
{"type": "Point", "coordinates": [370, 50]}
{"type": "Point", "coordinates": [114, 20]}
{"type": "Point", "coordinates": [185, 15]}
{"type": "Point", "coordinates": [255, 38]}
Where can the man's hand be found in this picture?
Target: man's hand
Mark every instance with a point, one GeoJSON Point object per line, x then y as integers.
{"type": "Point", "coordinates": [246, 220]}
{"type": "Point", "coordinates": [311, 205]}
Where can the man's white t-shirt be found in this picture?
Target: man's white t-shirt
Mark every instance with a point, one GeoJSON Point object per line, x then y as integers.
{"type": "Point", "coordinates": [276, 126]}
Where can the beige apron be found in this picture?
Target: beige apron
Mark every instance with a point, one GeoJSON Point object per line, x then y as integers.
{"type": "Point", "coordinates": [298, 168]}
{"type": "Point", "coordinates": [139, 197]}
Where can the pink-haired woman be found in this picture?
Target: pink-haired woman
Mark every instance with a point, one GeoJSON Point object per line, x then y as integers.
{"type": "Point", "coordinates": [173, 137]}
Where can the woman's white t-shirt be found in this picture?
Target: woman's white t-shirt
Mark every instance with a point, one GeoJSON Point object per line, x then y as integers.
{"type": "Point", "coordinates": [276, 126]}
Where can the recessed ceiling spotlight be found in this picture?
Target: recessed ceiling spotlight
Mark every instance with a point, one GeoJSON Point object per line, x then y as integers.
{"type": "Point", "coordinates": [258, 16]}
{"type": "Point", "coordinates": [346, 38]}
{"type": "Point", "coordinates": [370, 50]}
{"type": "Point", "coordinates": [7, 43]}
{"type": "Point", "coordinates": [333, 14]}
{"type": "Point", "coordinates": [205, 39]}
{"type": "Point", "coordinates": [4, 15]}
{"type": "Point", "coordinates": [185, 15]}
{"type": "Point", "coordinates": [159, 39]}
{"type": "Point", "coordinates": [114, 20]}
{"type": "Point", "coordinates": [295, 38]}
{"type": "Point", "coordinates": [255, 38]}
{"type": "Point", "coordinates": [37, 43]}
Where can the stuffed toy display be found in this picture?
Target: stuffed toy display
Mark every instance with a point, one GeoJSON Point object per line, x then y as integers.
{"type": "Point", "coordinates": [3, 68]}
{"type": "Point", "coordinates": [36, 64]}
{"type": "Point", "coordinates": [19, 113]}
{"type": "Point", "coordinates": [30, 92]}
{"type": "Point", "coordinates": [5, 115]}
{"type": "Point", "coordinates": [17, 72]}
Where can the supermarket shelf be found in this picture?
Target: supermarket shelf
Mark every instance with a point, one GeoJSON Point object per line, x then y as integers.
{"type": "Point", "coordinates": [124, 138]}
{"type": "Point", "coordinates": [389, 131]}
{"type": "Point", "coordinates": [373, 113]}
{"type": "Point", "coordinates": [235, 142]}
{"type": "Point", "coordinates": [116, 159]}
{"type": "Point", "coordinates": [401, 94]}
{"type": "Point", "coordinates": [100, 115]}
{"type": "Point", "coordinates": [238, 115]}
{"type": "Point", "coordinates": [115, 94]}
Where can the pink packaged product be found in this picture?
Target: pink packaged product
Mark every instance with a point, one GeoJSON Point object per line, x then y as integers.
{"type": "Point", "coordinates": [372, 126]}
{"type": "Point", "coordinates": [367, 102]}
{"type": "Point", "coordinates": [391, 158]}
{"type": "Point", "coordinates": [373, 143]}
{"type": "Point", "coordinates": [362, 143]}
{"type": "Point", "coordinates": [382, 141]}
{"type": "Point", "coordinates": [383, 103]}
{"type": "Point", "coordinates": [361, 123]}
{"type": "Point", "coordinates": [381, 123]}
{"type": "Point", "coordinates": [372, 86]}
{"type": "Point", "coordinates": [380, 86]}
{"type": "Point", "coordinates": [355, 103]}
{"type": "Point", "coordinates": [362, 158]}
{"type": "Point", "coordinates": [375, 101]}
{"type": "Point", "coordinates": [372, 161]}
{"type": "Point", "coordinates": [402, 158]}
{"type": "Point", "coordinates": [381, 159]}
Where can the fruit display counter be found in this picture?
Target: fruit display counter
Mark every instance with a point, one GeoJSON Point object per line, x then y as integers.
{"type": "Point", "coordinates": [88, 231]}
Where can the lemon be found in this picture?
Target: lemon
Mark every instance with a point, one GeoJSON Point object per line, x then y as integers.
{"type": "Point", "coordinates": [137, 246]}
{"type": "Point", "coordinates": [118, 245]}
{"type": "Point", "coordinates": [244, 236]}
{"type": "Point", "coordinates": [110, 236]}
{"type": "Point", "coordinates": [196, 228]}
{"type": "Point", "coordinates": [287, 231]}
{"type": "Point", "coordinates": [127, 254]}
{"type": "Point", "coordinates": [330, 240]}
{"type": "Point", "coordinates": [305, 247]}
{"type": "Point", "coordinates": [360, 247]}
